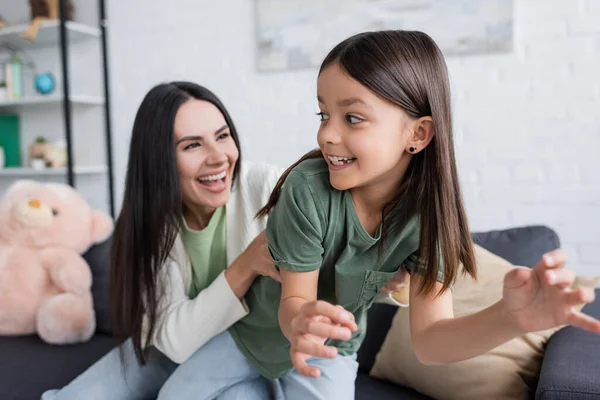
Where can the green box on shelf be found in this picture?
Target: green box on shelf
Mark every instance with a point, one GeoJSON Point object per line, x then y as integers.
{"type": "Point", "coordinates": [10, 140]}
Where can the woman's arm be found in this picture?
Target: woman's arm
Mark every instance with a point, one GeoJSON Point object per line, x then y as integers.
{"type": "Point", "coordinates": [183, 325]}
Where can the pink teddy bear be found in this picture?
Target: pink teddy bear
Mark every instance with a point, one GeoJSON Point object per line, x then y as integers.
{"type": "Point", "coordinates": [44, 282]}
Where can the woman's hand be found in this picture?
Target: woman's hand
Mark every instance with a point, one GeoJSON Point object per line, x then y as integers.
{"type": "Point", "coordinates": [541, 298]}
{"type": "Point", "coordinates": [398, 282]}
{"type": "Point", "coordinates": [254, 261]}
{"type": "Point", "coordinates": [315, 323]}
{"type": "Point", "coordinates": [259, 259]}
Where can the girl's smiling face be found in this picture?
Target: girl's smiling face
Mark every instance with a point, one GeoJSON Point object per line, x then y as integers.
{"type": "Point", "coordinates": [362, 136]}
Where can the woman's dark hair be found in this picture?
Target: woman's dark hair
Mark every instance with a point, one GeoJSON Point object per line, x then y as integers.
{"type": "Point", "coordinates": [151, 212]}
{"type": "Point", "coordinates": [408, 69]}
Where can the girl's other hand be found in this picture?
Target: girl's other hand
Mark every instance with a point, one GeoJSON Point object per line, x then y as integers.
{"type": "Point", "coordinates": [317, 322]}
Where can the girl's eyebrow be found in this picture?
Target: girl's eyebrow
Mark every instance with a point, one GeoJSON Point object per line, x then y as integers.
{"type": "Point", "coordinates": [347, 102]}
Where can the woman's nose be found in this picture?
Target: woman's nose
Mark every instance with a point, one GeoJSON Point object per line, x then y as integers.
{"type": "Point", "coordinates": [216, 157]}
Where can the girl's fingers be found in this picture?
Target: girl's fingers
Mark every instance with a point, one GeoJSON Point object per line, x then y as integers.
{"type": "Point", "coordinates": [336, 314]}
{"type": "Point", "coordinates": [584, 321]}
{"type": "Point", "coordinates": [315, 349]}
{"type": "Point", "coordinates": [579, 296]}
{"type": "Point", "coordinates": [562, 278]}
{"type": "Point", "coordinates": [325, 330]}
{"type": "Point", "coordinates": [552, 259]}
{"type": "Point", "coordinates": [299, 363]}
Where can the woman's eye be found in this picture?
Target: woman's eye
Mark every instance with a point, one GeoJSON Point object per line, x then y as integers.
{"type": "Point", "coordinates": [223, 136]}
{"type": "Point", "coordinates": [191, 146]}
{"type": "Point", "coordinates": [353, 119]}
{"type": "Point", "coordinates": [323, 116]}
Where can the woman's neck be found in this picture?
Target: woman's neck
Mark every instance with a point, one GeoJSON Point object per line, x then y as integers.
{"type": "Point", "coordinates": [197, 217]}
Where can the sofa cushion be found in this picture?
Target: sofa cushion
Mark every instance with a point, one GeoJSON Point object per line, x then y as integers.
{"type": "Point", "coordinates": [520, 246]}
{"type": "Point", "coordinates": [29, 366]}
{"type": "Point", "coordinates": [368, 388]}
{"type": "Point", "coordinates": [569, 370]}
{"type": "Point", "coordinates": [98, 258]}
{"type": "Point", "coordinates": [509, 371]}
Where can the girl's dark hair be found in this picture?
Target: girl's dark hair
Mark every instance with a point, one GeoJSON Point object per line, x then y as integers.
{"type": "Point", "coordinates": [408, 69]}
{"type": "Point", "coordinates": [152, 209]}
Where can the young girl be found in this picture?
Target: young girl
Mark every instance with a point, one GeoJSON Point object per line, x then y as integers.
{"type": "Point", "coordinates": [382, 191]}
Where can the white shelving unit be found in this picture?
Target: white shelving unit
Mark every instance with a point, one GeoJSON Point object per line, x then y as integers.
{"type": "Point", "coordinates": [45, 115]}
{"type": "Point", "coordinates": [27, 172]}
{"type": "Point", "coordinates": [48, 34]}
{"type": "Point", "coordinates": [51, 100]}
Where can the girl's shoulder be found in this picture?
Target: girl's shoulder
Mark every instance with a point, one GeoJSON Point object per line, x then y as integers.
{"type": "Point", "coordinates": [310, 179]}
{"type": "Point", "coordinates": [313, 168]}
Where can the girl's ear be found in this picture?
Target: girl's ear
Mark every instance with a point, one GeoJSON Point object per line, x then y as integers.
{"type": "Point", "coordinates": [423, 132]}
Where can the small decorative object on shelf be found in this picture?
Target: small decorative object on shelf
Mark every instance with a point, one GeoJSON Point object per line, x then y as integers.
{"type": "Point", "coordinates": [44, 10]}
{"type": "Point", "coordinates": [37, 153]}
{"type": "Point", "coordinates": [49, 9]}
{"type": "Point", "coordinates": [45, 154]}
{"type": "Point", "coordinates": [45, 83]}
{"type": "Point", "coordinates": [56, 155]}
{"type": "Point", "coordinates": [13, 75]}
{"type": "Point", "coordinates": [10, 139]}
{"type": "Point", "coordinates": [3, 92]}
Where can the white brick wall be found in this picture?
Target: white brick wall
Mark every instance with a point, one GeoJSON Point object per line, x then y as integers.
{"type": "Point", "coordinates": [527, 123]}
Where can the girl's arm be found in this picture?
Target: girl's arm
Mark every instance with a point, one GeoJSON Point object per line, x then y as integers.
{"type": "Point", "coordinates": [438, 338]}
{"type": "Point", "coordinates": [297, 289]}
{"type": "Point", "coordinates": [534, 299]}
{"type": "Point", "coordinates": [307, 323]}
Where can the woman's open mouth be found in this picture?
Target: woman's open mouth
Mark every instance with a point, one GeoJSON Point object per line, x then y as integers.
{"type": "Point", "coordinates": [215, 183]}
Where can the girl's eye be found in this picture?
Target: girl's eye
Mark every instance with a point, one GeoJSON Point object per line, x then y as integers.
{"type": "Point", "coordinates": [323, 116]}
{"type": "Point", "coordinates": [192, 145]}
{"type": "Point", "coordinates": [353, 119]}
{"type": "Point", "coordinates": [223, 136]}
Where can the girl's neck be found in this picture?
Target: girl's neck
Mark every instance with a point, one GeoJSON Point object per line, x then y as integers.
{"type": "Point", "coordinates": [197, 217]}
{"type": "Point", "coordinates": [369, 200]}
{"type": "Point", "coordinates": [372, 198]}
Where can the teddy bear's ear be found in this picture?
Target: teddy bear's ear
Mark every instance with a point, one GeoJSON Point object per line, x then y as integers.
{"type": "Point", "coordinates": [102, 226]}
{"type": "Point", "coordinates": [20, 184]}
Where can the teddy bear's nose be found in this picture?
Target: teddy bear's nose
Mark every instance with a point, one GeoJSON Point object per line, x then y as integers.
{"type": "Point", "coordinates": [34, 203]}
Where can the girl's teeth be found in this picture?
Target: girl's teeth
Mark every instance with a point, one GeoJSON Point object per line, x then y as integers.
{"type": "Point", "coordinates": [340, 160]}
{"type": "Point", "coordinates": [213, 177]}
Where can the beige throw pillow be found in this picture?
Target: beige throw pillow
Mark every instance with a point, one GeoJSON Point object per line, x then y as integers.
{"type": "Point", "coordinates": [506, 372]}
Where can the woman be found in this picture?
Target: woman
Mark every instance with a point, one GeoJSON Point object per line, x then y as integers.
{"type": "Point", "coordinates": [186, 247]}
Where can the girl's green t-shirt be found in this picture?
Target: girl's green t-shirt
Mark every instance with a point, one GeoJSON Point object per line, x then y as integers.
{"type": "Point", "coordinates": [314, 226]}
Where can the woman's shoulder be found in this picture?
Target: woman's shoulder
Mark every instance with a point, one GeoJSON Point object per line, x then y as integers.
{"type": "Point", "coordinates": [259, 171]}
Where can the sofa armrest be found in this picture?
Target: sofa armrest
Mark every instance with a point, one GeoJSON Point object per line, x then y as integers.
{"type": "Point", "coordinates": [571, 366]}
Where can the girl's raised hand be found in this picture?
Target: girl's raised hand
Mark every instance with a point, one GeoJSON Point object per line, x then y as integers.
{"type": "Point", "coordinates": [541, 297]}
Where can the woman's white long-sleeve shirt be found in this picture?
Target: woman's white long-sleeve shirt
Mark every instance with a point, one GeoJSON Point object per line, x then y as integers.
{"type": "Point", "coordinates": [183, 325]}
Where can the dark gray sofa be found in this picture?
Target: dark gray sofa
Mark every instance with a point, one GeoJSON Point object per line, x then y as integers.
{"type": "Point", "coordinates": [570, 369]}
